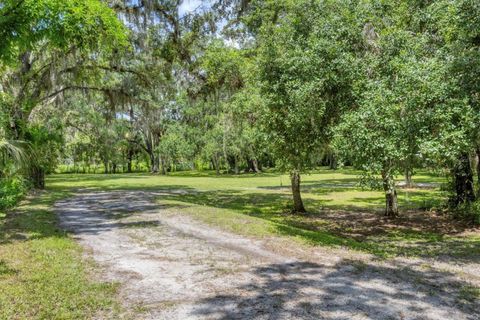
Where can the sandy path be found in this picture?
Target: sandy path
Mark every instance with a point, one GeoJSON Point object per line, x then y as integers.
{"type": "Point", "coordinates": [171, 267]}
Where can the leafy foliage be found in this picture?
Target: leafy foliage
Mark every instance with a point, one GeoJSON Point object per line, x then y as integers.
{"type": "Point", "coordinates": [61, 24]}
{"type": "Point", "coordinates": [306, 67]}
{"type": "Point", "coordinates": [237, 85]}
{"type": "Point", "coordinates": [12, 189]}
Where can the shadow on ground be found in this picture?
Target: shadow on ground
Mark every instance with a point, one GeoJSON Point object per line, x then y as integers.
{"type": "Point", "coordinates": [347, 290]}
{"type": "Point", "coordinates": [415, 233]}
{"type": "Point", "coordinates": [33, 219]}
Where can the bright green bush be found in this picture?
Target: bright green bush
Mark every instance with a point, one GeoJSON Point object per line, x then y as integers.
{"type": "Point", "coordinates": [12, 189]}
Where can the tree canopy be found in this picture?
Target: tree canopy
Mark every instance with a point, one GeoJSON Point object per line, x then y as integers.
{"type": "Point", "coordinates": [385, 87]}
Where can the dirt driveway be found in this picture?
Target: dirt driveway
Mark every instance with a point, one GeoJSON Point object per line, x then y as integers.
{"type": "Point", "coordinates": [172, 267]}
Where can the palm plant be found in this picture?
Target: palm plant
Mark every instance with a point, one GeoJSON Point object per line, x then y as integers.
{"type": "Point", "coordinates": [12, 152]}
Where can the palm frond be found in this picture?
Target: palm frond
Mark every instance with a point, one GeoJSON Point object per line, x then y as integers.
{"type": "Point", "coordinates": [14, 151]}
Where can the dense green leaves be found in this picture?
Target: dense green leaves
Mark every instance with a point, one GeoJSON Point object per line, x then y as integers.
{"type": "Point", "coordinates": [387, 86]}
{"type": "Point", "coordinates": [307, 66]}
{"type": "Point", "coordinates": [81, 23]}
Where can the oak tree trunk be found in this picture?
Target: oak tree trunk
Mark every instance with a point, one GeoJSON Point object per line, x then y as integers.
{"type": "Point", "coordinates": [163, 165]}
{"type": "Point", "coordinates": [408, 178]}
{"type": "Point", "coordinates": [154, 162]}
{"type": "Point", "coordinates": [463, 182]}
{"type": "Point", "coordinates": [297, 198]}
{"type": "Point", "coordinates": [391, 199]}
{"type": "Point", "coordinates": [216, 165]}
{"type": "Point", "coordinates": [236, 168]}
{"type": "Point", "coordinates": [478, 170]}
{"type": "Point", "coordinates": [391, 203]}
{"type": "Point", "coordinates": [332, 163]}
{"type": "Point", "coordinates": [129, 160]}
{"type": "Point", "coordinates": [130, 152]}
{"type": "Point", "coordinates": [252, 165]}
{"type": "Point", "coordinates": [255, 166]}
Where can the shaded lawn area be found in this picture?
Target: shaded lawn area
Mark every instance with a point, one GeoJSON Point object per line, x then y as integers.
{"type": "Point", "coordinates": [42, 272]}
{"type": "Point", "coordinates": [340, 212]}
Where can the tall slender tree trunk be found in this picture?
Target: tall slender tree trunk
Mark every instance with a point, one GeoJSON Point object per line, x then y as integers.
{"type": "Point", "coordinates": [478, 171]}
{"type": "Point", "coordinates": [130, 152]}
{"type": "Point", "coordinates": [129, 160]}
{"type": "Point", "coordinates": [216, 164]}
{"type": "Point", "coordinates": [163, 166]}
{"type": "Point", "coordinates": [391, 199]}
{"type": "Point", "coordinates": [297, 197]}
{"type": "Point", "coordinates": [332, 163]}
{"type": "Point", "coordinates": [408, 178]}
{"type": "Point", "coordinates": [224, 145]}
{"type": "Point", "coordinates": [463, 181]}
{"type": "Point", "coordinates": [154, 163]}
{"type": "Point", "coordinates": [236, 168]}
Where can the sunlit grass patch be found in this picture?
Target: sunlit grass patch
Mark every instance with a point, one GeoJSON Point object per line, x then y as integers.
{"type": "Point", "coordinates": [42, 272]}
{"type": "Point", "coordinates": [341, 213]}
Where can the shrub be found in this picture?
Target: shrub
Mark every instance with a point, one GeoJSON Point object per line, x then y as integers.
{"type": "Point", "coordinates": [12, 189]}
{"type": "Point", "coordinates": [469, 212]}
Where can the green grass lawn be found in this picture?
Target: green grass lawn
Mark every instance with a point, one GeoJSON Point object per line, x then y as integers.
{"type": "Point", "coordinates": [42, 272]}
{"type": "Point", "coordinates": [340, 212]}
{"type": "Point", "coordinates": [321, 189]}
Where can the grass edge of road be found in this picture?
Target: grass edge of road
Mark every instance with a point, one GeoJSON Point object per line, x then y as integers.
{"type": "Point", "coordinates": [44, 273]}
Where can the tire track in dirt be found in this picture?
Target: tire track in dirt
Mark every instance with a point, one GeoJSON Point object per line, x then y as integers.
{"type": "Point", "coordinates": [177, 268]}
